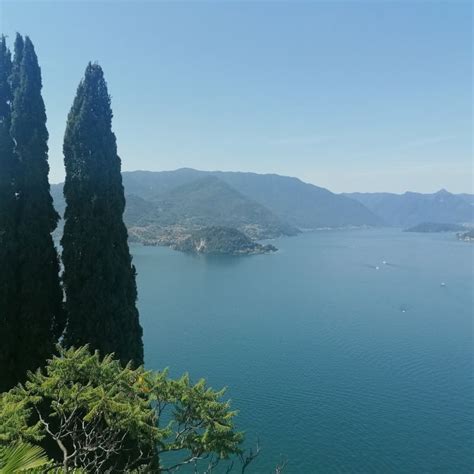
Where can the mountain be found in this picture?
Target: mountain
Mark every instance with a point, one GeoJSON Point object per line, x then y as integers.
{"type": "Point", "coordinates": [469, 198]}
{"type": "Point", "coordinates": [204, 202]}
{"type": "Point", "coordinates": [178, 209]}
{"type": "Point", "coordinates": [410, 209]}
{"type": "Point", "coordinates": [268, 205]}
{"type": "Point", "coordinates": [164, 207]}
{"type": "Point", "coordinates": [300, 204]}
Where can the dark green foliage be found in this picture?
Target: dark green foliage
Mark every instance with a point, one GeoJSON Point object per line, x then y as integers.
{"type": "Point", "coordinates": [16, 67]}
{"type": "Point", "coordinates": [221, 241]}
{"type": "Point", "coordinates": [8, 212]}
{"type": "Point", "coordinates": [40, 317]}
{"type": "Point", "coordinates": [99, 277]}
{"type": "Point", "coordinates": [35, 304]}
{"type": "Point", "coordinates": [91, 409]}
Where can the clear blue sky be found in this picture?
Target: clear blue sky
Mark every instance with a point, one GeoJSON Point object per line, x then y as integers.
{"type": "Point", "coordinates": [351, 96]}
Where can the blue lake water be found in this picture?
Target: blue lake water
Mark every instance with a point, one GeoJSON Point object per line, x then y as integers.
{"type": "Point", "coordinates": [333, 364]}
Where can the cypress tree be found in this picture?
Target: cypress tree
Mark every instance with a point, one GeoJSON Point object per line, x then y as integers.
{"type": "Point", "coordinates": [99, 278]}
{"type": "Point", "coordinates": [39, 317]}
{"type": "Point", "coordinates": [8, 242]}
{"type": "Point", "coordinates": [16, 66]}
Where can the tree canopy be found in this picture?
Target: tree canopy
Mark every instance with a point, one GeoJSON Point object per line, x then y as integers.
{"type": "Point", "coordinates": [96, 413]}
{"type": "Point", "coordinates": [31, 296]}
{"type": "Point", "coordinates": [99, 277]}
{"type": "Point", "coordinates": [8, 220]}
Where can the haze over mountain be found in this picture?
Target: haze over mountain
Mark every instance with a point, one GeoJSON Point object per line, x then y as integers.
{"type": "Point", "coordinates": [467, 197]}
{"type": "Point", "coordinates": [206, 201]}
{"type": "Point", "coordinates": [410, 208]}
{"type": "Point", "coordinates": [300, 204]}
{"type": "Point", "coordinates": [164, 207]}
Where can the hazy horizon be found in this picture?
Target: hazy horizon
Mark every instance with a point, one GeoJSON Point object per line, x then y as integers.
{"type": "Point", "coordinates": [279, 174]}
{"type": "Point", "coordinates": [348, 96]}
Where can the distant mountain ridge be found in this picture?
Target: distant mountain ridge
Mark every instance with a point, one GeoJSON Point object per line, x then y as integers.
{"type": "Point", "coordinates": [469, 198]}
{"type": "Point", "coordinates": [300, 204]}
{"type": "Point", "coordinates": [166, 206]}
{"type": "Point", "coordinates": [410, 209]}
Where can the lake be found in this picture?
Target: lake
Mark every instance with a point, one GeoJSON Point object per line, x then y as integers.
{"type": "Point", "coordinates": [337, 361]}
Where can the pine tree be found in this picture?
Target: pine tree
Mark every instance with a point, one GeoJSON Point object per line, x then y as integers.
{"type": "Point", "coordinates": [99, 277]}
{"type": "Point", "coordinates": [39, 318]}
{"type": "Point", "coordinates": [8, 212]}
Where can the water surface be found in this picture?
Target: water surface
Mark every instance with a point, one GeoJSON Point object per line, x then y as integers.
{"type": "Point", "coordinates": [337, 362]}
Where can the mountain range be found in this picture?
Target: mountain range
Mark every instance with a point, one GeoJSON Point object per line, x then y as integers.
{"type": "Point", "coordinates": [300, 204]}
{"type": "Point", "coordinates": [166, 207]}
{"type": "Point", "coordinates": [410, 209]}
{"type": "Point", "coordinates": [203, 202]}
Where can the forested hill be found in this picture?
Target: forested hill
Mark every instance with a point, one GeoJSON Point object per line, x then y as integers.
{"type": "Point", "coordinates": [204, 202]}
{"type": "Point", "coordinates": [163, 206]}
{"type": "Point", "coordinates": [221, 241]}
{"type": "Point", "coordinates": [300, 204]}
{"type": "Point", "coordinates": [268, 205]}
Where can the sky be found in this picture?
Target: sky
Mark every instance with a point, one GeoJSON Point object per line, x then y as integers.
{"type": "Point", "coordinates": [351, 96]}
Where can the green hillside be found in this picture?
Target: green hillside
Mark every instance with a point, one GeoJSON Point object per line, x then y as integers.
{"type": "Point", "coordinates": [221, 241]}
{"type": "Point", "coordinates": [300, 204]}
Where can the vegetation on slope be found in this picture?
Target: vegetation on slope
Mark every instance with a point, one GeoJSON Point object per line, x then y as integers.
{"type": "Point", "coordinates": [221, 241]}
{"type": "Point", "coordinates": [209, 201]}
{"type": "Point", "coordinates": [299, 204]}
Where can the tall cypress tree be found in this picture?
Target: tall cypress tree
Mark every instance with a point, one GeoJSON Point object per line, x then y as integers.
{"type": "Point", "coordinates": [8, 212]}
{"type": "Point", "coordinates": [16, 66]}
{"type": "Point", "coordinates": [99, 277]}
{"type": "Point", "coordinates": [39, 318]}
